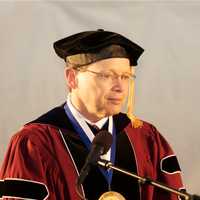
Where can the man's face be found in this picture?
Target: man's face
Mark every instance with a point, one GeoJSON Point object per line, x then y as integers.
{"type": "Point", "coordinates": [101, 87]}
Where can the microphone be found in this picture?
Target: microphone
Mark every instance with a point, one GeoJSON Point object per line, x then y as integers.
{"type": "Point", "coordinates": [100, 145]}
{"type": "Point", "coordinates": [22, 188]}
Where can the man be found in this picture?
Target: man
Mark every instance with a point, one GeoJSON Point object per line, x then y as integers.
{"type": "Point", "coordinates": [53, 148]}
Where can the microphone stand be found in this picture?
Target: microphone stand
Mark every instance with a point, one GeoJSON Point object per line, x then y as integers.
{"type": "Point", "coordinates": [108, 165]}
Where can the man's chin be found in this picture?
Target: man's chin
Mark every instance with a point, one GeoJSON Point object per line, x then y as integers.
{"type": "Point", "coordinates": [113, 111]}
{"type": "Point", "coordinates": [110, 111]}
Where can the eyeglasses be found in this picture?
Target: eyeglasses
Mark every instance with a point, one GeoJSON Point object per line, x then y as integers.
{"type": "Point", "coordinates": [110, 76]}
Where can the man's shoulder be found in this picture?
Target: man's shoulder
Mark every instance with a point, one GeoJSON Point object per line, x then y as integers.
{"type": "Point", "coordinates": [122, 120]}
{"type": "Point", "coordinates": [42, 127]}
{"type": "Point", "coordinates": [34, 132]}
{"type": "Point", "coordinates": [55, 117]}
{"type": "Point", "coordinates": [147, 129]}
{"type": "Point", "coordinates": [52, 116]}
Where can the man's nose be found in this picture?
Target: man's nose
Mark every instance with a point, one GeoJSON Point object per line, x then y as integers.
{"type": "Point", "coordinates": [118, 84]}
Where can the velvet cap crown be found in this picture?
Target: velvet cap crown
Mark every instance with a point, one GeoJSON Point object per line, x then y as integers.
{"type": "Point", "coordinates": [85, 45]}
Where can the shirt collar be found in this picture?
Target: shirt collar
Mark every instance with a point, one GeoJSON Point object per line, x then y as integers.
{"type": "Point", "coordinates": [79, 116]}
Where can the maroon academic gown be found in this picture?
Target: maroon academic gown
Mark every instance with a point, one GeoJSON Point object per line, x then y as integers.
{"type": "Point", "coordinates": [48, 150]}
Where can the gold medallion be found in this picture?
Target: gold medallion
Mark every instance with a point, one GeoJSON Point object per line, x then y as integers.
{"type": "Point", "coordinates": [111, 195]}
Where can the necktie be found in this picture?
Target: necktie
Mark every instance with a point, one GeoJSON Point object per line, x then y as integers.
{"type": "Point", "coordinates": [95, 129]}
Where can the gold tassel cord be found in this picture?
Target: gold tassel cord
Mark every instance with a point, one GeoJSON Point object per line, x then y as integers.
{"type": "Point", "coordinates": [136, 123]}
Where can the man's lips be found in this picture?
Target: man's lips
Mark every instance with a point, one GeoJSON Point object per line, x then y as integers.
{"type": "Point", "coordinates": [115, 100]}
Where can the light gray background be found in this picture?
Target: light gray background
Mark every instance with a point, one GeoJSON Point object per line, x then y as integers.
{"type": "Point", "coordinates": [31, 75]}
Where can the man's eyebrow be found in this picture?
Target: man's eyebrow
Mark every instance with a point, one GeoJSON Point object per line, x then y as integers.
{"type": "Point", "coordinates": [116, 72]}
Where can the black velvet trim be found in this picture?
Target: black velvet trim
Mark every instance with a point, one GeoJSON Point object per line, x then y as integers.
{"type": "Point", "coordinates": [57, 117]}
{"type": "Point", "coordinates": [95, 183]}
{"type": "Point", "coordinates": [125, 159]}
{"type": "Point", "coordinates": [23, 189]}
{"type": "Point", "coordinates": [92, 188]}
{"type": "Point", "coordinates": [121, 121]}
{"type": "Point", "coordinates": [170, 164]}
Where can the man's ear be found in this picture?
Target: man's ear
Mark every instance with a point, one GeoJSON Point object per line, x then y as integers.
{"type": "Point", "coordinates": [70, 77]}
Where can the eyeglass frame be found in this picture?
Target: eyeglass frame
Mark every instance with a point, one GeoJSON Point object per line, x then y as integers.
{"type": "Point", "coordinates": [110, 75]}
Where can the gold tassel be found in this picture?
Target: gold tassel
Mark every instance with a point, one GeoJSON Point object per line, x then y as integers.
{"type": "Point", "coordinates": [136, 123]}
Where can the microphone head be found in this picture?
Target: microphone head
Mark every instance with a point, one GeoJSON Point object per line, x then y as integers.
{"type": "Point", "coordinates": [103, 139]}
